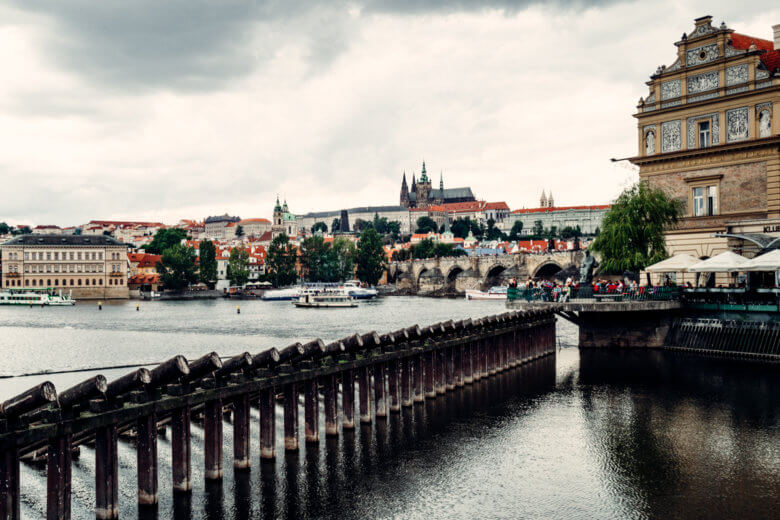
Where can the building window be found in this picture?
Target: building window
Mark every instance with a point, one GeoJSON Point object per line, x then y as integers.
{"type": "Point", "coordinates": [79, 281]}
{"type": "Point", "coordinates": [705, 201]}
{"type": "Point", "coordinates": [27, 283]}
{"type": "Point", "coordinates": [100, 282]}
{"type": "Point", "coordinates": [704, 134]}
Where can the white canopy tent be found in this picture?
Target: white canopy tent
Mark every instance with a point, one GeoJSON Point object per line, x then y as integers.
{"type": "Point", "coordinates": [767, 262]}
{"type": "Point", "coordinates": [674, 264]}
{"type": "Point", "coordinates": [725, 262]}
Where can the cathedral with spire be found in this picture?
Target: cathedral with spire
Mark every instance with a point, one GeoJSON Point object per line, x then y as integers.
{"type": "Point", "coordinates": [546, 202]}
{"type": "Point", "coordinates": [421, 193]}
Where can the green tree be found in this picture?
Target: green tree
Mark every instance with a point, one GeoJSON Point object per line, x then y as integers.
{"type": "Point", "coordinates": [402, 255]}
{"type": "Point", "coordinates": [538, 229]}
{"type": "Point", "coordinates": [394, 229]}
{"type": "Point", "coordinates": [516, 231]}
{"type": "Point", "coordinates": [21, 230]}
{"type": "Point", "coordinates": [318, 262]}
{"type": "Point", "coordinates": [281, 261]}
{"type": "Point", "coordinates": [370, 257]}
{"type": "Point", "coordinates": [4, 228]}
{"type": "Point", "coordinates": [335, 225]}
{"type": "Point", "coordinates": [207, 263]}
{"type": "Point", "coordinates": [239, 231]}
{"type": "Point", "coordinates": [238, 266]}
{"type": "Point", "coordinates": [345, 252]}
{"type": "Point", "coordinates": [424, 249]}
{"type": "Point", "coordinates": [442, 250]}
{"type": "Point", "coordinates": [177, 267]}
{"type": "Point", "coordinates": [461, 227]}
{"type": "Point", "coordinates": [426, 225]}
{"type": "Point", "coordinates": [361, 225]}
{"type": "Point", "coordinates": [492, 232]}
{"type": "Point", "coordinates": [570, 232]}
{"type": "Point", "coordinates": [165, 238]}
{"type": "Point", "coordinates": [633, 229]}
{"type": "Point", "coordinates": [319, 227]}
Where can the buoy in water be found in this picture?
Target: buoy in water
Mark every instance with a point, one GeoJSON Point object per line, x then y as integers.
{"type": "Point", "coordinates": [100, 306]}
{"type": "Point", "coordinates": [238, 309]}
{"type": "Point", "coordinates": [137, 307]}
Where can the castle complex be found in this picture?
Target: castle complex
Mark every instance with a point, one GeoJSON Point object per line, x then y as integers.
{"type": "Point", "coordinates": [422, 195]}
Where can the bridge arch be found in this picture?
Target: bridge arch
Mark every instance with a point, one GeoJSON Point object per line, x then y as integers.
{"type": "Point", "coordinates": [452, 276]}
{"type": "Point", "coordinates": [493, 275]}
{"type": "Point", "coordinates": [547, 270]}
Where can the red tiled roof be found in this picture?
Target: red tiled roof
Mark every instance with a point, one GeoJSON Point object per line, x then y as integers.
{"type": "Point", "coordinates": [140, 279]}
{"type": "Point", "coordinates": [149, 260]}
{"type": "Point", "coordinates": [559, 208]}
{"type": "Point", "coordinates": [456, 207]}
{"type": "Point", "coordinates": [496, 205]}
{"type": "Point", "coordinates": [255, 220]}
{"type": "Point", "coordinates": [771, 60]}
{"type": "Point", "coordinates": [124, 223]}
{"type": "Point", "coordinates": [743, 41]}
{"type": "Point", "coordinates": [49, 226]}
{"type": "Point", "coordinates": [266, 237]}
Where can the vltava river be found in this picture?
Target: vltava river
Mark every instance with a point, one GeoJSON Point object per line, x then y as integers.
{"type": "Point", "coordinates": [583, 435]}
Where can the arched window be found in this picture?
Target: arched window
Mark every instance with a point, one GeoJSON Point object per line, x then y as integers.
{"type": "Point", "coordinates": [650, 143]}
{"type": "Point", "coordinates": [56, 282]}
{"type": "Point", "coordinates": [34, 282]}
{"type": "Point", "coordinates": [48, 282]}
{"type": "Point", "coordinates": [94, 282]}
{"type": "Point", "coordinates": [764, 124]}
{"type": "Point", "coordinates": [100, 282]}
{"type": "Point", "coordinates": [71, 281]}
{"type": "Point", "coordinates": [79, 281]}
{"type": "Point", "coordinates": [27, 283]}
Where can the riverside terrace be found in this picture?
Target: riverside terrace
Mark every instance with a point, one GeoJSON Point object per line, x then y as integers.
{"type": "Point", "coordinates": [403, 367]}
{"type": "Point", "coordinates": [735, 322]}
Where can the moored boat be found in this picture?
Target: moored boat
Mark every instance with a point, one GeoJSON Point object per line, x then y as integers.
{"type": "Point", "coordinates": [42, 296]}
{"type": "Point", "coordinates": [354, 289]}
{"type": "Point", "coordinates": [289, 293]}
{"type": "Point", "coordinates": [324, 299]}
{"type": "Point", "coordinates": [494, 293]}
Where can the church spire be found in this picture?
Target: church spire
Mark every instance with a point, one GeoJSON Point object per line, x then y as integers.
{"type": "Point", "coordinates": [404, 192]}
{"type": "Point", "coordinates": [424, 173]}
{"type": "Point", "coordinates": [543, 200]}
{"type": "Point", "coordinates": [441, 181]}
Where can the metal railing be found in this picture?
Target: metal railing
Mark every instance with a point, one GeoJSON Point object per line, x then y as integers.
{"type": "Point", "coordinates": [562, 294]}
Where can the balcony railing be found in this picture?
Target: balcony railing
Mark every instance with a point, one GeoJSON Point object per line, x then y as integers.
{"type": "Point", "coordinates": [560, 294]}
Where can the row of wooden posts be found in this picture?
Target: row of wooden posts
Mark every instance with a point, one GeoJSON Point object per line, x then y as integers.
{"type": "Point", "coordinates": [403, 367]}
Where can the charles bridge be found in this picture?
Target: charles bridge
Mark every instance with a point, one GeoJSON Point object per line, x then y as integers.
{"type": "Point", "coordinates": [477, 272]}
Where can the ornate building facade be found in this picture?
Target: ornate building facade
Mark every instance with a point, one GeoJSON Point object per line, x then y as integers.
{"type": "Point", "coordinates": [421, 194]}
{"type": "Point", "coordinates": [283, 221]}
{"type": "Point", "coordinates": [707, 134]}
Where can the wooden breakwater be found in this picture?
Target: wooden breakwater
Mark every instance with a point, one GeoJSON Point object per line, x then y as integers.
{"type": "Point", "coordinates": [389, 371]}
{"type": "Point", "coordinates": [722, 337]}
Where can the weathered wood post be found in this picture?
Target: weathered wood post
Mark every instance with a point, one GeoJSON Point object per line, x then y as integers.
{"type": "Point", "coordinates": [364, 379]}
{"type": "Point", "coordinates": [181, 450]}
{"type": "Point", "coordinates": [10, 410]}
{"type": "Point", "coordinates": [106, 473]}
{"type": "Point", "coordinates": [351, 344]}
{"type": "Point", "coordinates": [311, 411]}
{"type": "Point", "coordinates": [212, 439]}
{"type": "Point", "coordinates": [290, 417]}
{"type": "Point", "coordinates": [262, 363]}
{"type": "Point", "coordinates": [330, 395]}
{"type": "Point", "coordinates": [58, 477]}
{"type": "Point", "coordinates": [241, 409]}
{"type": "Point", "coordinates": [380, 401]}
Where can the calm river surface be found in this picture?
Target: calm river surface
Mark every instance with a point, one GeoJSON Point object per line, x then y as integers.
{"type": "Point", "coordinates": [582, 435]}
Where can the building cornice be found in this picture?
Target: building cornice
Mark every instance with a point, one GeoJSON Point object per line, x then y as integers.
{"type": "Point", "coordinates": [719, 149]}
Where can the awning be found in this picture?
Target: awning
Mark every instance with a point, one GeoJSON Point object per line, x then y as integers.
{"type": "Point", "coordinates": [723, 263]}
{"type": "Point", "coordinates": [767, 262]}
{"type": "Point", "coordinates": [675, 264]}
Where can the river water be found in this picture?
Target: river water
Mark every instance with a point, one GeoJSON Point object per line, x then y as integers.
{"type": "Point", "coordinates": [604, 434]}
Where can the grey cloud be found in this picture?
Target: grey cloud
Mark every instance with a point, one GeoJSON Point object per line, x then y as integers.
{"type": "Point", "coordinates": [203, 44]}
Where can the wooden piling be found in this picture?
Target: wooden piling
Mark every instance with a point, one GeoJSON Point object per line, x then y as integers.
{"type": "Point", "coordinates": [449, 365]}
{"type": "Point", "coordinates": [9, 481]}
{"type": "Point", "coordinates": [267, 423]}
{"type": "Point", "coordinates": [181, 450]}
{"type": "Point", "coordinates": [393, 386]}
{"type": "Point", "coordinates": [291, 417]}
{"type": "Point", "coordinates": [439, 372]}
{"type": "Point", "coordinates": [106, 473]}
{"type": "Point", "coordinates": [418, 381]}
{"type": "Point", "coordinates": [58, 477]}
{"type": "Point", "coordinates": [380, 396]}
{"type": "Point", "coordinates": [241, 434]}
{"type": "Point", "coordinates": [212, 439]}
{"type": "Point", "coordinates": [364, 393]}
{"type": "Point", "coordinates": [348, 399]}
{"type": "Point", "coordinates": [29, 400]}
{"type": "Point", "coordinates": [311, 410]}
{"type": "Point", "coordinates": [430, 390]}
{"type": "Point", "coordinates": [330, 395]}
{"type": "Point", "coordinates": [460, 351]}
{"type": "Point", "coordinates": [146, 459]}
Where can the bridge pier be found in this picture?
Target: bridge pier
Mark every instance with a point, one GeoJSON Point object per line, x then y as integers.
{"type": "Point", "coordinates": [419, 380]}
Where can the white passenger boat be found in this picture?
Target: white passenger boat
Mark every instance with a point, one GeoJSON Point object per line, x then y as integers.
{"type": "Point", "coordinates": [494, 293]}
{"type": "Point", "coordinates": [354, 289]}
{"type": "Point", "coordinates": [289, 293]}
{"type": "Point", "coordinates": [35, 297]}
{"type": "Point", "coordinates": [324, 299]}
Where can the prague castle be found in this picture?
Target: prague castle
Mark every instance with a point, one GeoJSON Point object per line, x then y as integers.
{"type": "Point", "coordinates": [708, 135]}
{"type": "Point", "coordinates": [422, 195]}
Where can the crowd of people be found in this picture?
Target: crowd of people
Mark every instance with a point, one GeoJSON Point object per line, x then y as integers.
{"type": "Point", "coordinates": [555, 291]}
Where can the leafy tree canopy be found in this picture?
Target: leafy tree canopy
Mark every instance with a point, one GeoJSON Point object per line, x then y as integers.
{"type": "Point", "coordinates": [319, 227]}
{"type": "Point", "coordinates": [370, 257]}
{"type": "Point", "coordinates": [238, 266]}
{"type": "Point", "coordinates": [207, 262]}
{"type": "Point", "coordinates": [632, 234]}
{"type": "Point", "coordinates": [426, 225]}
{"type": "Point", "coordinates": [163, 239]}
{"type": "Point", "coordinates": [177, 267]}
{"type": "Point", "coordinates": [281, 261]}
{"type": "Point", "coordinates": [517, 229]}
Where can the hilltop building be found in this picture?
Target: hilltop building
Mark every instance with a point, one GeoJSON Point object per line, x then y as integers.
{"type": "Point", "coordinates": [283, 221]}
{"type": "Point", "coordinates": [218, 228]}
{"type": "Point", "coordinates": [588, 218]}
{"type": "Point", "coordinates": [421, 194]}
{"type": "Point", "coordinates": [707, 134]}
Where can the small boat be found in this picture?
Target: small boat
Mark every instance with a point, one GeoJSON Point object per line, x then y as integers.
{"type": "Point", "coordinates": [289, 293]}
{"type": "Point", "coordinates": [45, 296]}
{"type": "Point", "coordinates": [494, 293]}
{"type": "Point", "coordinates": [324, 299]}
{"type": "Point", "coordinates": [353, 288]}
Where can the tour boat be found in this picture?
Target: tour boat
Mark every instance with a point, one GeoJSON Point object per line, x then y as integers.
{"type": "Point", "coordinates": [34, 297]}
{"type": "Point", "coordinates": [494, 293]}
{"type": "Point", "coordinates": [289, 293]}
{"type": "Point", "coordinates": [354, 289]}
{"type": "Point", "coordinates": [324, 299]}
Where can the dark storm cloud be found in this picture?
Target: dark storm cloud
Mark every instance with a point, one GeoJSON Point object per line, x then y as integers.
{"type": "Point", "coordinates": [202, 44]}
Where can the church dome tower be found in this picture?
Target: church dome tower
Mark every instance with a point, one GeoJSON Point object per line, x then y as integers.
{"type": "Point", "coordinates": [543, 200]}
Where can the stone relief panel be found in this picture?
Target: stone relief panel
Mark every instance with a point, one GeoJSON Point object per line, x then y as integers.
{"type": "Point", "coordinates": [737, 90]}
{"type": "Point", "coordinates": [701, 55]}
{"type": "Point", "coordinates": [677, 65]}
{"type": "Point", "coordinates": [703, 29]}
{"type": "Point", "coordinates": [764, 116]}
{"type": "Point", "coordinates": [761, 74]}
{"type": "Point", "coordinates": [736, 75]}
{"type": "Point", "coordinates": [671, 89]}
{"type": "Point", "coordinates": [671, 135]}
{"type": "Point", "coordinates": [714, 128]}
{"type": "Point", "coordinates": [650, 98]}
{"type": "Point", "coordinates": [731, 51]}
{"type": "Point", "coordinates": [711, 95]}
{"type": "Point", "coordinates": [737, 124]}
{"type": "Point", "coordinates": [703, 82]}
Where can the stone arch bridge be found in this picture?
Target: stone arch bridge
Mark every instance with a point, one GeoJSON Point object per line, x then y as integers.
{"type": "Point", "coordinates": [456, 275]}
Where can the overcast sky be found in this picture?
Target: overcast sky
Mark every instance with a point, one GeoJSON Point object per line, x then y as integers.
{"type": "Point", "coordinates": [155, 110]}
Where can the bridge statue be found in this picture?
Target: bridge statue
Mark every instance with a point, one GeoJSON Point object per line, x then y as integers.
{"type": "Point", "coordinates": [587, 266]}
